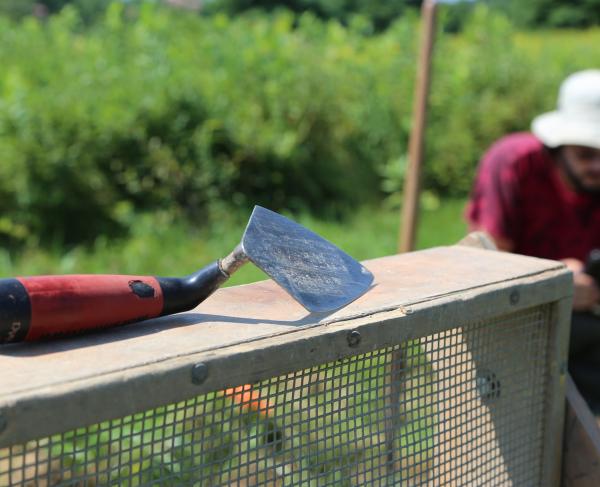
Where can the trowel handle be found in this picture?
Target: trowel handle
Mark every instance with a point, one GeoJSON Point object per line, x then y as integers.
{"type": "Point", "coordinates": [38, 307]}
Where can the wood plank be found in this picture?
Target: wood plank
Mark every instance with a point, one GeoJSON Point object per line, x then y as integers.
{"type": "Point", "coordinates": [581, 458]}
{"type": "Point", "coordinates": [245, 313]}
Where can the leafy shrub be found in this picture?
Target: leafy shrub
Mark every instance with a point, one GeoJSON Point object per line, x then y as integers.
{"type": "Point", "coordinates": [381, 13]}
{"type": "Point", "coordinates": [168, 110]}
{"type": "Point", "coordinates": [176, 111]}
{"type": "Point", "coordinates": [489, 81]}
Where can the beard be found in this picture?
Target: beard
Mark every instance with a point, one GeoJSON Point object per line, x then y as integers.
{"type": "Point", "coordinates": [575, 180]}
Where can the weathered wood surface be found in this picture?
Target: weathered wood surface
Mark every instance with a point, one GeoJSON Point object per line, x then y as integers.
{"type": "Point", "coordinates": [581, 458]}
{"type": "Point", "coordinates": [245, 313]}
{"type": "Point", "coordinates": [79, 375]}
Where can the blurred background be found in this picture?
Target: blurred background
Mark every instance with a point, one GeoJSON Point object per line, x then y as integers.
{"type": "Point", "coordinates": [135, 136]}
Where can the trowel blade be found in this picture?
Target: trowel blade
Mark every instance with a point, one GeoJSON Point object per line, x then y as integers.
{"type": "Point", "coordinates": [316, 273]}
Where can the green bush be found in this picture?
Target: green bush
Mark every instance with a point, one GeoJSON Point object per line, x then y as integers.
{"type": "Point", "coordinates": [172, 110]}
{"type": "Point", "coordinates": [168, 110]}
{"type": "Point", "coordinates": [492, 80]}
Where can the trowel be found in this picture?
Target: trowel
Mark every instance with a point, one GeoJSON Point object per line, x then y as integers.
{"type": "Point", "coordinates": [313, 271]}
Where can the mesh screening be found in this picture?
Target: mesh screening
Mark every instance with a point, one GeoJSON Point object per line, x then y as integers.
{"type": "Point", "coordinates": [461, 407]}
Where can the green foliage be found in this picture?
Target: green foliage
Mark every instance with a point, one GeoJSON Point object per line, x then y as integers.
{"type": "Point", "coordinates": [182, 112]}
{"type": "Point", "coordinates": [378, 14]}
{"type": "Point", "coordinates": [488, 81]}
{"type": "Point", "coordinates": [189, 114]}
{"type": "Point", "coordinates": [551, 13]}
{"type": "Point", "coordinates": [381, 13]}
{"type": "Point", "coordinates": [89, 10]}
{"type": "Point", "coordinates": [17, 8]}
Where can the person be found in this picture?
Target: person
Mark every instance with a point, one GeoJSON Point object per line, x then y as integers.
{"type": "Point", "coordinates": [538, 194]}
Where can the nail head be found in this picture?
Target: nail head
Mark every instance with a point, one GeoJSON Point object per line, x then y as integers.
{"type": "Point", "coordinates": [199, 373]}
{"type": "Point", "coordinates": [353, 338]}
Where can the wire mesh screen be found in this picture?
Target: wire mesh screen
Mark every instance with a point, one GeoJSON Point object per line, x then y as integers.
{"type": "Point", "coordinates": [460, 407]}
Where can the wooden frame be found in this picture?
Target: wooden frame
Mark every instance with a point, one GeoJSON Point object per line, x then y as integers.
{"type": "Point", "coordinates": [249, 333]}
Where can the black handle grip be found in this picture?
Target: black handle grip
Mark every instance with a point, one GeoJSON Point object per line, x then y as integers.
{"type": "Point", "coordinates": [183, 293]}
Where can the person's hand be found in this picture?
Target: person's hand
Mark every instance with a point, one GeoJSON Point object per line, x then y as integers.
{"type": "Point", "coordinates": [586, 294]}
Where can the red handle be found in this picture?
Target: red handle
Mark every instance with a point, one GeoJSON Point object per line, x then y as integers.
{"type": "Point", "coordinates": [67, 304]}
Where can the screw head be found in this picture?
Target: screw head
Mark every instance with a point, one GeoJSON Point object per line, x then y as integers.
{"type": "Point", "coordinates": [199, 373]}
{"type": "Point", "coordinates": [353, 338]}
{"type": "Point", "coordinates": [515, 296]}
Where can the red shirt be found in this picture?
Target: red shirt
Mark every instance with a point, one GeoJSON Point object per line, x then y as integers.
{"type": "Point", "coordinates": [519, 196]}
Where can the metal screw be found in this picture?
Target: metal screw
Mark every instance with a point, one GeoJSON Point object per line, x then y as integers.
{"type": "Point", "coordinates": [408, 311]}
{"type": "Point", "coordinates": [199, 373]}
{"type": "Point", "coordinates": [3, 423]}
{"type": "Point", "coordinates": [515, 296]}
{"type": "Point", "coordinates": [353, 338]}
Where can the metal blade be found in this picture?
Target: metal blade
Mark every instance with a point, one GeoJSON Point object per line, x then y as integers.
{"type": "Point", "coordinates": [312, 270]}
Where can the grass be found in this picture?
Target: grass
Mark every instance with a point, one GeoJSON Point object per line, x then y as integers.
{"type": "Point", "coordinates": [160, 246]}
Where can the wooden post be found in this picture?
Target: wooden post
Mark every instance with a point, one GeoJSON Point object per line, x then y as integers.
{"type": "Point", "coordinates": [410, 206]}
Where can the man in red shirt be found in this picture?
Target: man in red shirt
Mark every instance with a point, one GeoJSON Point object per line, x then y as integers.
{"type": "Point", "coordinates": [539, 194]}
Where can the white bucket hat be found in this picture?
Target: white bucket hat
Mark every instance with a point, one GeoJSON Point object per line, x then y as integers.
{"type": "Point", "coordinates": [577, 118]}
